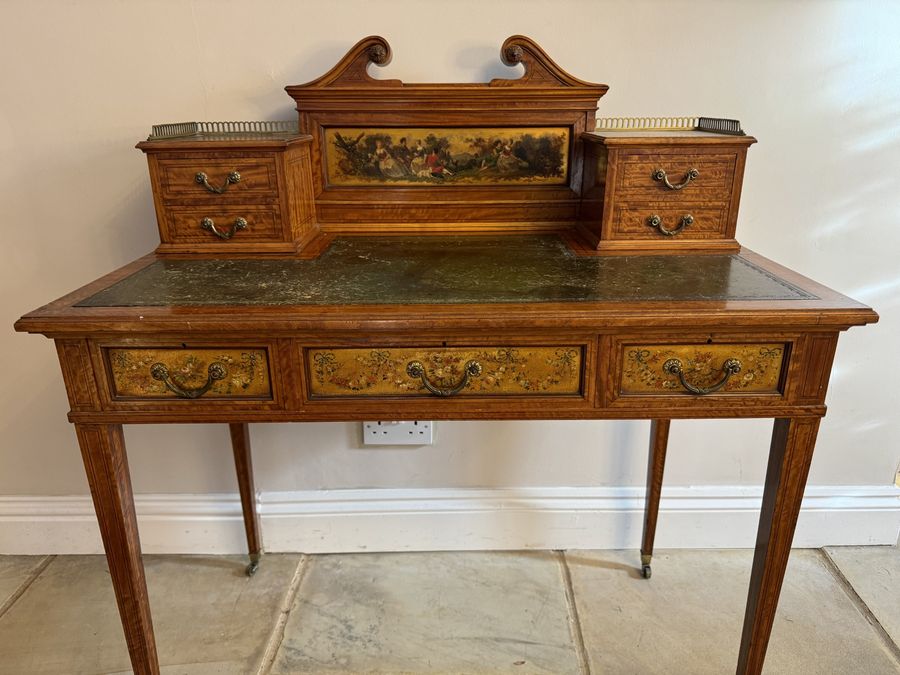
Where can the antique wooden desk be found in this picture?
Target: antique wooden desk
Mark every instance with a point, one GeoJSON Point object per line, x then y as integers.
{"type": "Point", "coordinates": [344, 273]}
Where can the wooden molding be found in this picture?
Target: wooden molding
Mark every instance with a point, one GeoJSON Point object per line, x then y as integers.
{"type": "Point", "coordinates": [352, 70]}
{"type": "Point", "coordinates": [540, 69]}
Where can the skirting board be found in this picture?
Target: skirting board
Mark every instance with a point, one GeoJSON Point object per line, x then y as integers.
{"type": "Point", "coordinates": [453, 519]}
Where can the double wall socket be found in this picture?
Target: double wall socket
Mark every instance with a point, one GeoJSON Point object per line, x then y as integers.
{"type": "Point", "coordinates": [398, 433]}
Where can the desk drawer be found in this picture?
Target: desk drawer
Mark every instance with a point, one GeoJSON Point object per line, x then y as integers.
{"type": "Point", "coordinates": [700, 370]}
{"type": "Point", "coordinates": [193, 373]}
{"type": "Point", "coordinates": [655, 220]}
{"type": "Point", "coordinates": [224, 178]}
{"type": "Point", "coordinates": [690, 175]}
{"type": "Point", "coordinates": [446, 371]}
{"type": "Point", "coordinates": [225, 224]}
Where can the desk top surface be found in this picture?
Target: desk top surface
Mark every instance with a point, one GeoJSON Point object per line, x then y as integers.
{"type": "Point", "coordinates": [445, 270]}
{"type": "Point", "coordinates": [448, 284]}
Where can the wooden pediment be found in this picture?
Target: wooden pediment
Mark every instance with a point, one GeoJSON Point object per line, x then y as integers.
{"type": "Point", "coordinates": [353, 69]}
{"type": "Point", "coordinates": [541, 71]}
{"type": "Point", "coordinates": [372, 139]}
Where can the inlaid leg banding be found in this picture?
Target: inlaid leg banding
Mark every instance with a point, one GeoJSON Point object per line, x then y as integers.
{"type": "Point", "coordinates": [656, 463]}
{"type": "Point", "coordinates": [240, 444]}
{"type": "Point", "coordinates": [106, 466]}
{"type": "Point", "coordinates": [793, 441]}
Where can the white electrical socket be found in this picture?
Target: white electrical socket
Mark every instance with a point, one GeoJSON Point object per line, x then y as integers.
{"type": "Point", "coordinates": [398, 433]}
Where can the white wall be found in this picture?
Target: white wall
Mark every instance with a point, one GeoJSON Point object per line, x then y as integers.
{"type": "Point", "coordinates": [818, 83]}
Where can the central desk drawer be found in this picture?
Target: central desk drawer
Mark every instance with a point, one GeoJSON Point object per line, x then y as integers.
{"type": "Point", "coordinates": [519, 370]}
{"type": "Point", "coordinates": [193, 373]}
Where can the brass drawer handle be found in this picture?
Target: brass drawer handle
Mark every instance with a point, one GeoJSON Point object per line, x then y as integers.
{"type": "Point", "coordinates": [416, 369]}
{"type": "Point", "coordinates": [656, 221]}
{"type": "Point", "coordinates": [660, 175]}
{"type": "Point", "coordinates": [729, 368]}
{"type": "Point", "coordinates": [203, 179]}
{"type": "Point", "coordinates": [210, 226]}
{"type": "Point", "coordinates": [158, 371]}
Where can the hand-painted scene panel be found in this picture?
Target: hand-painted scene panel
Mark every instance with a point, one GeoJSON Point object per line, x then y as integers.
{"type": "Point", "coordinates": [443, 156]}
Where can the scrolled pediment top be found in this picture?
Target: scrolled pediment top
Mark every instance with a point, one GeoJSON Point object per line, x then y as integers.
{"type": "Point", "coordinates": [540, 69]}
{"type": "Point", "coordinates": [541, 72]}
{"type": "Point", "coordinates": [353, 69]}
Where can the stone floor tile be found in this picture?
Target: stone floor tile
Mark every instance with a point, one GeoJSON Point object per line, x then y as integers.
{"type": "Point", "coordinates": [687, 619]}
{"type": "Point", "coordinates": [16, 570]}
{"type": "Point", "coordinates": [208, 616]}
{"type": "Point", "coordinates": [429, 613]}
{"type": "Point", "coordinates": [874, 573]}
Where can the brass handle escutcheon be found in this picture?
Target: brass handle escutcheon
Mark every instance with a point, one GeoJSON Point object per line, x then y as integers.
{"type": "Point", "coordinates": [656, 221]}
{"type": "Point", "coordinates": [203, 179]}
{"type": "Point", "coordinates": [729, 368]}
{"type": "Point", "coordinates": [661, 176]}
{"type": "Point", "coordinates": [216, 371]}
{"type": "Point", "coordinates": [416, 369]}
{"type": "Point", "coordinates": [209, 225]}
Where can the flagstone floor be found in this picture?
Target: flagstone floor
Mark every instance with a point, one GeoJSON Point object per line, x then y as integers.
{"type": "Point", "coordinates": [479, 612]}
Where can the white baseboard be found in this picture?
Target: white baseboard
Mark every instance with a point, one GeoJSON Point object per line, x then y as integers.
{"type": "Point", "coordinates": [453, 519]}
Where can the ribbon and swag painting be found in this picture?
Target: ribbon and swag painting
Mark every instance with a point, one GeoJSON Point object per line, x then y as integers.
{"type": "Point", "coordinates": [459, 156]}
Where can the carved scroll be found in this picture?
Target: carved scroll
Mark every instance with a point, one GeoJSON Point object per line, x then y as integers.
{"type": "Point", "coordinates": [353, 69]}
{"type": "Point", "coordinates": [540, 69]}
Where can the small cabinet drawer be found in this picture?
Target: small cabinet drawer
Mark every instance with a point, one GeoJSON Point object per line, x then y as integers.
{"type": "Point", "coordinates": [676, 176]}
{"type": "Point", "coordinates": [653, 220]}
{"type": "Point", "coordinates": [225, 223]}
{"type": "Point", "coordinates": [201, 177]}
{"type": "Point", "coordinates": [189, 374]}
{"type": "Point", "coordinates": [700, 369]}
{"type": "Point", "coordinates": [446, 371]}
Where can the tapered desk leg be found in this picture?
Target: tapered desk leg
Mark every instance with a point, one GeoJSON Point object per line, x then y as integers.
{"type": "Point", "coordinates": [656, 464]}
{"type": "Point", "coordinates": [793, 441]}
{"type": "Point", "coordinates": [106, 465]}
{"type": "Point", "coordinates": [240, 443]}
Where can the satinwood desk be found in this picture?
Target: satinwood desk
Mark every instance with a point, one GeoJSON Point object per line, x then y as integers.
{"type": "Point", "coordinates": [518, 267]}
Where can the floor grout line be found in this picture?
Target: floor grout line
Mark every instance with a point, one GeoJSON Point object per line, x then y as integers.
{"type": "Point", "coordinates": [861, 605]}
{"type": "Point", "coordinates": [574, 621]}
{"type": "Point", "coordinates": [277, 635]}
{"type": "Point", "coordinates": [25, 585]}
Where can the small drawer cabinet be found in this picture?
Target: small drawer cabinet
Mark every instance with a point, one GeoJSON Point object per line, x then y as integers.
{"type": "Point", "coordinates": [662, 190]}
{"type": "Point", "coordinates": [240, 187]}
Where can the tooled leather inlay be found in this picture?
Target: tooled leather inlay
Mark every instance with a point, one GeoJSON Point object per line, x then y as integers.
{"type": "Point", "coordinates": [446, 270]}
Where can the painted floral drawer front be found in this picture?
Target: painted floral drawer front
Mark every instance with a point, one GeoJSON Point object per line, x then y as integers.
{"type": "Point", "coordinates": [507, 371]}
{"type": "Point", "coordinates": [703, 366]}
{"type": "Point", "coordinates": [229, 373]}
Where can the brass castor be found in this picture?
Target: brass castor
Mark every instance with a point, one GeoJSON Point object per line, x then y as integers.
{"type": "Point", "coordinates": [254, 564]}
{"type": "Point", "coordinates": [646, 571]}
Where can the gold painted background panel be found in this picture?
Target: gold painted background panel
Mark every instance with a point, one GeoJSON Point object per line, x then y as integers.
{"type": "Point", "coordinates": [447, 156]}
{"type": "Point", "coordinates": [642, 369]}
{"type": "Point", "coordinates": [247, 372]}
{"type": "Point", "coordinates": [506, 370]}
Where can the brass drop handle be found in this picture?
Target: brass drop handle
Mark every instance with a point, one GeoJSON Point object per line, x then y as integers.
{"type": "Point", "coordinates": [729, 368]}
{"type": "Point", "coordinates": [416, 369]}
{"type": "Point", "coordinates": [209, 225]}
{"type": "Point", "coordinates": [661, 176]}
{"type": "Point", "coordinates": [203, 179]}
{"type": "Point", "coordinates": [216, 371]}
{"type": "Point", "coordinates": [656, 221]}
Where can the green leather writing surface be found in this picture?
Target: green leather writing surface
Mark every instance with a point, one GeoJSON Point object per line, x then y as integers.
{"type": "Point", "coordinates": [445, 270]}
